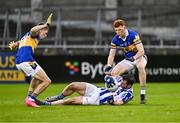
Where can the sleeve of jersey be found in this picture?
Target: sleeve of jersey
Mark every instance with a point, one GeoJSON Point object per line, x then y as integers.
{"type": "Point", "coordinates": [137, 40]}
{"type": "Point", "coordinates": [113, 46]}
{"type": "Point", "coordinates": [113, 43]}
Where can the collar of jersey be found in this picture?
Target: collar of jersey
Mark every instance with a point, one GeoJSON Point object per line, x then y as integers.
{"type": "Point", "coordinates": [127, 33]}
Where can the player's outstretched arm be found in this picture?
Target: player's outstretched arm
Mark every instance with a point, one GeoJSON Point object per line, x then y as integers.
{"type": "Point", "coordinates": [35, 29]}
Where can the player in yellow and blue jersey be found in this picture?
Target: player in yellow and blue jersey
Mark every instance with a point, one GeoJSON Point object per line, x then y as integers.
{"type": "Point", "coordinates": [26, 63]}
{"type": "Point", "coordinates": [129, 42]}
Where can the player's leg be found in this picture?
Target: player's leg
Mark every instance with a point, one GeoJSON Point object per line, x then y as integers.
{"type": "Point", "coordinates": [92, 95]}
{"type": "Point", "coordinates": [45, 81]}
{"type": "Point", "coordinates": [26, 68]}
{"type": "Point", "coordinates": [141, 64]}
{"type": "Point", "coordinates": [89, 95]}
{"type": "Point", "coordinates": [73, 100]}
{"type": "Point", "coordinates": [122, 67]}
{"type": "Point", "coordinates": [39, 88]}
{"type": "Point", "coordinates": [35, 89]}
{"type": "Point", "coordinates": [34, 70]}
{"type": "Point", "coordinates": [78, 87]}
{"type": "Point", "coordinates": [33, 84]}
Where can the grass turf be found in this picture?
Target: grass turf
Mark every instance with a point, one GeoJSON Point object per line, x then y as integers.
{"type": "Point", "coordinates": [163, 105]}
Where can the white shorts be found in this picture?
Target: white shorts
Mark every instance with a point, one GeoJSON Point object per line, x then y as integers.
{"type": "Point", "coordinates": [131, 65]}
{"type": "Point", "coordinates": [29, 68]}
{"type": "Point", "coordinates": [91, 96]}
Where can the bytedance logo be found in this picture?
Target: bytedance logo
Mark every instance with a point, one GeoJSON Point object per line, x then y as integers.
{"type": "Point", "coordinates": [73, 67]}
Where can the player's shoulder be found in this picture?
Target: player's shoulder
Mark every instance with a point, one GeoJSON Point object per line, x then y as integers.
{"type": "Point", "coordinates": [26, 35]}
{"type": "Point", "coordinates": [29, 34]}
{"type": "Point", "coordinates": [132, 32]}
{"type": "Point", "coordinates": [115, 38]}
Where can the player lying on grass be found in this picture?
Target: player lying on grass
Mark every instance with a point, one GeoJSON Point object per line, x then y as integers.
{"type": "Point", "coordinates": [89, 94]}
{"type": "Point", "coordinates": [26, 63]}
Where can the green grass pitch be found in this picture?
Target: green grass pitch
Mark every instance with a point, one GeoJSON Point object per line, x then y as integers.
{"type": "Point", "coordinates": [163, 105]}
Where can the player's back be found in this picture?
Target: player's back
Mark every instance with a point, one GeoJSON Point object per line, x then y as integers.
{"type": "Point", "coordinates": [27, 45]}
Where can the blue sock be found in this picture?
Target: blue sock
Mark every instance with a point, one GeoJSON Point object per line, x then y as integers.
{"type": "Point", "coordinates": [60, 96]}
{"type": "Point", "coordinates": [32, 97]}
{"type": "Point", "coordinates": [47, 103]}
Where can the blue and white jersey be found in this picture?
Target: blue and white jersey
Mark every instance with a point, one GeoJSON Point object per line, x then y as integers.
{"type": "Point", "coordinates": [104, 96]}
{"type": "Point", "coordinates": [124, 95]}
{"type": "Point", "coordinates": [120, 94]}
{"type": "Point", "coordinates": [128, 44]}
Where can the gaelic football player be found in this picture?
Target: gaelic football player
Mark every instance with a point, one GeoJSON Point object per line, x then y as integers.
{"type": "Point", "coordinates": [26, 63]}
{"type": "Point", "coordinates": [89, 94]}
{"type": "Point", "coordinates": [129, 42]}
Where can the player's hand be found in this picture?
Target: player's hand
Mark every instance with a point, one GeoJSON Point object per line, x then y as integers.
{"type": "Point", "coordinates": [49, 20]}
{"type": "Point", "coordinates": [109, 81]}
{"type": "Point", "coordinates": [107, 69]}
{"type": "Point", "coordinates": [131, 59]}
{"type": "Point", "coordinates": [11, 45]}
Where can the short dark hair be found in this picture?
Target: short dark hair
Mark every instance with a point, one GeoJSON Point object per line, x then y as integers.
{"type": "Point", "coordinates": [129, 78]}
{"type": "Point", "coordinates": [41, 23]}
{"type": "Point", "coordinates": [119, 22]}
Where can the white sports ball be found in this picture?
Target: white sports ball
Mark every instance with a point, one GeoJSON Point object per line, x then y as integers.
{"type": "Point", "coordinates": [111, 84]}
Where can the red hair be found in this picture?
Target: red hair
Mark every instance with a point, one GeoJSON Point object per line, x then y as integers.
{"type": "Point", "coordinates": [119, 22]}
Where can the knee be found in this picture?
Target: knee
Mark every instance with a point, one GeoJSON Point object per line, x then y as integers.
{"type": "Point", "coordinates": [141, 69]}
{"type": "Point", "coordinates": [118, 71]}
{"type": "Point", "coordinates": [47, 81]}
{"type": "Point", "coordinates": [73, 85]}
{"type": "Point", "coordinates": [115, 73]}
